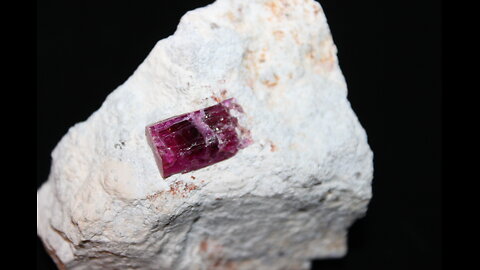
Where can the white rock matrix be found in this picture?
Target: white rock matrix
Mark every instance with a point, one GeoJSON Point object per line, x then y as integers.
{"type": "Point", "coordinates": [284, 200]}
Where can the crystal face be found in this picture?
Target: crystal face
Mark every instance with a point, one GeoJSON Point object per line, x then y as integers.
{"type": "Point", "coordinates": [198, 139]}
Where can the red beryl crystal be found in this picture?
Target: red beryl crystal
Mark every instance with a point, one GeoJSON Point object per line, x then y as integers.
{"type": "Point", "coordinates": [198, 139]}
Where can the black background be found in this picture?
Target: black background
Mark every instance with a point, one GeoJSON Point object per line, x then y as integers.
{"type": "Point", "coordinates": [389, 52]}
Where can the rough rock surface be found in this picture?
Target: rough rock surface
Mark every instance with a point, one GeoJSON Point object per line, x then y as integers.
{"type": "Point", "coordinates": [287, 198]}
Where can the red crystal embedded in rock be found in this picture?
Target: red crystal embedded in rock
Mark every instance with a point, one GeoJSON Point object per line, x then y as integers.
{"type": "Point", "coordinates": [195, 140]}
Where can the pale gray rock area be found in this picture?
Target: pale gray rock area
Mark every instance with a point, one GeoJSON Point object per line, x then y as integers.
{"type": "Point", "coordinates": [286, 199]}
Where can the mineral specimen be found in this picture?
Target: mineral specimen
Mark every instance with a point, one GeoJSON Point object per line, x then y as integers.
{"type": "Point", "coordinates": [287, 198]}
{"type": "Point", "coordinates": [195, 140]}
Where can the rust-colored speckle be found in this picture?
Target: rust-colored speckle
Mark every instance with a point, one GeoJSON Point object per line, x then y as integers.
{"type": "Point", "coordinates": [193, 177]}
{"type": "Point", "coordinates": [327, 62]}
{"type": "Point", "coordinates": [190, 187]}
{"type": "Point", "coordinates": [174, 189]}
{"type": "Point", "coordinates": [262, 59]}
{"type": "Point", "coordinates": [295, 37]}
{"type": "Point", "coordinates": [182, 189]}
{"type": "Point", "coordinates": [323, 56]}
{"type": "Point", "coordinates": [311, 54]}
{"type": "Point", "coordinates": [246, 134]}
{"type": "Point", "coordinates": [231, 16]}
{"type": "Point", "coordinates": [217, 99]}
{"type": "Point", "coordinates": [327, 59]}
{"type": "Point", "coordinates": [273, 7]}
{"type": "Point", "coordinates": [223, 96]}
{"type": "Point", "coordinates": [230, 265]}
{"type": "Point", "coordinates": [316, 9]}
{"type": "Point", "coordinates": [250, 83]}
{"type": "Point", "coordinates": [154, 196]}
{"type": "Point", "coordinates": [223, 93]}
{"type": "Point", "coordinates": [273, 147]}
{"type": "Point", "coordinates": [279, 9]}
{"type": "Point", "coordinates": [278, 34]}
{"type": "Point", "coordinates": [250, 61]}
{"type": "Point", "coordinates": [204, 246]}
{"type": "Point", "coordinates": [329, 56]}
{"type": "Point", "coordinates": [272, 83]}
{"type": "Point", "coordinates": [248, 57]}
{"type": "Point", "coordinates": [214, 257]}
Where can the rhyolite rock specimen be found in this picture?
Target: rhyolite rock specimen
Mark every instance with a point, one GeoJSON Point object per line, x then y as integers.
{"type": "Point", "coordinates": [287, 198]}
{"type": "Point", "coordinates": [195, 140]}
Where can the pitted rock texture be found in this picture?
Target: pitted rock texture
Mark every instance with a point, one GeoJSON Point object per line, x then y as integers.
{"type": "Point", "coordinates": [284, 200]}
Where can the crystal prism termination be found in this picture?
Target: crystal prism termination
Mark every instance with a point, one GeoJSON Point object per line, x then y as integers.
{"type": "Point", "coordinates": [198, 139]}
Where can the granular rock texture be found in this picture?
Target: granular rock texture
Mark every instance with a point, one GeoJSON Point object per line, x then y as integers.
{"type": "Point", "coordinates": [287, 198]}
